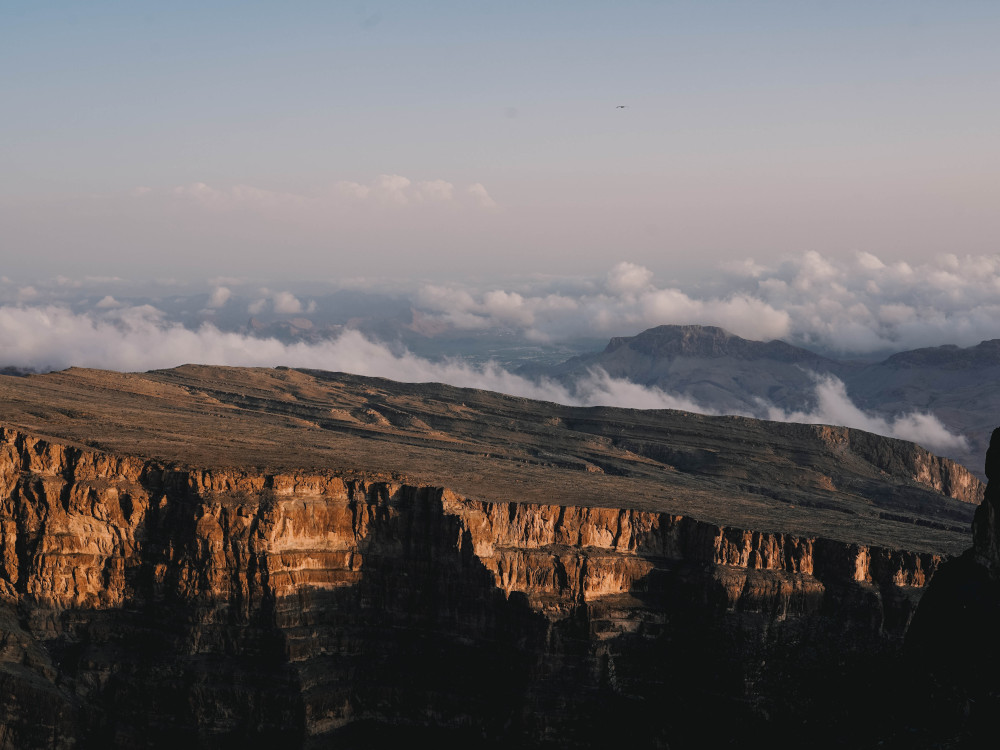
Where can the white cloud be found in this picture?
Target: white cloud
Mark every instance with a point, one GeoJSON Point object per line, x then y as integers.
{"type": "Point", "coordinates": [478, 191]}
{"type": "Point", "coordinates": [629, 303]}
{"type": "Point", "coordinates": [600, 389]}
{"type": "Point", "coordinates": [869, 262]}
{"type": "Point", "coordinates": [435, 190]}
{"type": "Point", "coordinates": [283, 303]}
{"type": "Point", "coordinates": [628, 278]}
{"type": "Point", "coordinates": [139, 338]}
{"type": "Point", "coordinates": [107, 302]}
{"type": "Point", "coordinates": [852, 306]}
{"type": "Point", "coordinates": [393, 187]}
{"type": "Point", "coordinates": [353, 189]}
{"type": "Point", "coordinates": [219, 297]}
{"type": "Point", "coordinates": [834, 406]}
{"type": "Point", "coordinates": [286, 303]}
{"type": "Point", "coordinates": [507, 307]}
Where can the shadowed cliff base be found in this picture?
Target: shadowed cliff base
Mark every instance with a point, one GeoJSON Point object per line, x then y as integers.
{"type": "Point", "coordinates": [952, 657]}
{"type": "Point", "coordinates": [150, 602]}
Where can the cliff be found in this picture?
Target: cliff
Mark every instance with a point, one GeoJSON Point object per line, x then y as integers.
{"type": "Point", "coordinates": [266, 559]}
{"type": "Point", "coordinates": [952, 657]}
{"type": "Point", "coordinates": [148, 606]}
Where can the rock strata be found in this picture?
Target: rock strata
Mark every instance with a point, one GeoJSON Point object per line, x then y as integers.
{"type": "Point", "coordinates": [222, 557]}
{"type": "Point", "coordinates": [150, 604]}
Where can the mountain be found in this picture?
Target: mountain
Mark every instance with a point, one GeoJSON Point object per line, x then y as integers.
{"type": "Point", "coordinates": [221, 556]}
{"type": "Point", "coordinates": [726, 373]}
{"type": "Point", "coordinates": [708, 365]}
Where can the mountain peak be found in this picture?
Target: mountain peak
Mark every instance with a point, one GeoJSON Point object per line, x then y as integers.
{"type": "Point", "coordinates": [708, 342]}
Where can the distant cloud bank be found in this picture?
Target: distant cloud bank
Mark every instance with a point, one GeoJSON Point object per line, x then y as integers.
{"type": "Point", "coordinates": [50, 337]}
{"type": "Point", "coordinates": [854, 306]}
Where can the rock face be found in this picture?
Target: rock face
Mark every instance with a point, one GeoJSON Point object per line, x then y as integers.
{"type": "Point", "coordinates": [224, 557]}
{"type": "Point", "coordinates": [150, 605]}
{"type": "Point", "coordinates": [952, 654]}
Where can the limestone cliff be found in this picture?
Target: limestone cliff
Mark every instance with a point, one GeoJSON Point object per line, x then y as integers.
{"type": "Point", "coordinates": [145, 603]}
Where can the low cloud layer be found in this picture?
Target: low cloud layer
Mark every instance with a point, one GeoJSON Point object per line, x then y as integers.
{"type": "Point", "coordinates": [834, 406]}
{"type": "Point", "coordinates": [856, 305]}
{"type": "Point", "coordinates": [139, 338]}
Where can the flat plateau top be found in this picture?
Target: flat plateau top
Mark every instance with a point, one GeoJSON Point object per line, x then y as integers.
{"type": "Point", "coordinates": [733, 471]}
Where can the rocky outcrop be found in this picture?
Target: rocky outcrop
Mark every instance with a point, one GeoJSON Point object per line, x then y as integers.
{"type": "Point", "coordinates": [146, 604]}
{"type": "Point", "coordinates": [909, 459]}
{"type": "Point", "coordinates": [953, 658]}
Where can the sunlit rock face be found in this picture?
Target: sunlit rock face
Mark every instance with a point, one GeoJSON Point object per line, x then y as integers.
{"type": "Point", "coordinates": [145, 604]}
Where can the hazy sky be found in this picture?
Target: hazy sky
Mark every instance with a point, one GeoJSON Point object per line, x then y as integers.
{"type": "Point", "coordinates": [456, 139]}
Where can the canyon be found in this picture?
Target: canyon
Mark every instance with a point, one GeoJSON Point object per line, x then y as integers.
{"type": "Point", "coordinates": [270, 557]}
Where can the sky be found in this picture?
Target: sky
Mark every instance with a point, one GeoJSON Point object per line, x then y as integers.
{"type": "Point", "coordinates": [459, 141]}
{"type": "Point", "coordinates": [824, 173]}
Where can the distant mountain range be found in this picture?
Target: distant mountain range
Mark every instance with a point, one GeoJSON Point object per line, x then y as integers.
{"type": "Point", "coordinates": [727, 373]}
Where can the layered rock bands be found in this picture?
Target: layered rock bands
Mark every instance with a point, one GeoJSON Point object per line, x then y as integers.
{"type": "Point", "coordinates": [150, 605]}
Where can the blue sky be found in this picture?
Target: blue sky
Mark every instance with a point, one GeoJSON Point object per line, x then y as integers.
{"type": "Point", "coordinates": [188, 139]}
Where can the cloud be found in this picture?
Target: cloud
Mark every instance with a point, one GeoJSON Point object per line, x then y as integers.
{"type": "Point", "coordinates": [140, 338]}
{"type": "Point", "coordinates": [628, 278]}
{"type": "Point", "coordinates": [286, 303]}
{"type": "Point", "coordinates": [598, 388]}
{"type": "Point", "coordinates": [283, 303]}
{"type": "Point", "coordinates": [478, 191]}
{"type": "Point", "coordinates": [834, 406]}
{"type": "Point", "coordinates": [850, 306]}
{"type": "Point", "coordinates": [857, 305]}
{"type": "Point", "coordinates": [863, 304]}
{"type": "Point", "coordinates": [237, 197]}
{"type": "Point", "coordinates": [386, 189]}
{"type": "Point", "coordinates": [352, 189]}
{"type": "Point", "coordinates": [393, 187]}
{"type": "Point", "coordinates": [627, 302]}
{"type": "Point", "coordinates": [435, 190]}
{"type": "Point", "coordinates": [219, 297]}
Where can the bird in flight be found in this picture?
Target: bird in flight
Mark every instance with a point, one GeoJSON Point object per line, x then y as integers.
{"type": "Point", "coordinates": [622, 106]}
